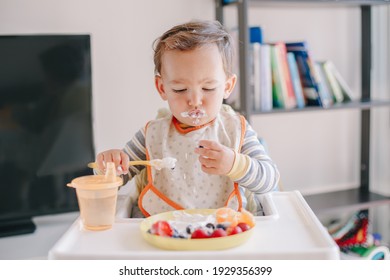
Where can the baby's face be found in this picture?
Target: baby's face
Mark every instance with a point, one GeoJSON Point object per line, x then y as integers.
{"type": "Point", "coordinates": [194, 83]}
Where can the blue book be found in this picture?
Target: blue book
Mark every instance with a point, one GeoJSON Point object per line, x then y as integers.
{"type": "Point", "coordinates": [296, 80]}
{"type": "Point", "coordinates": [306, 72]}
{"type": "Point", "coordinates": [255, 34]}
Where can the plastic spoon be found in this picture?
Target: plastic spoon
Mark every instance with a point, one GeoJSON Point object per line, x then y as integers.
{"type": "Point", "coordinates": [167, 162]}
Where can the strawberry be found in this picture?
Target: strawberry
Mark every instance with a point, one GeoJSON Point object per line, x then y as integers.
{"type": "Point", "coordinates": [243, 226]}
{"type": "Point", "coordinates": [162, 228]}
{"type": "Point", "coordinates": [234, 230]}
{"type": "Point", "coordinates": [219, 232]}
{"type": "Point", "coordinates": [199, 233]}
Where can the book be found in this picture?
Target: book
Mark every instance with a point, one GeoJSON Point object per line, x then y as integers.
{"type": "Point", "coordinates": [323, 88]}
{"type": "Point", "coordinates": [306, 72]}
{"type": "Point", "coordinates": [255, 34]}
{"type": "Point", "coordinates": [326, 80]}
{"type": "Point", "coordinates": [346, 91]}
{"type": "Point", "coordinates": [296, 80]}
{"type": "Point", "coordinates": [261, 80]}
{"type": "Point", "coordinates": [287, 86]}
{"type": "Point", "coordinates": [335, 86]}
{"type": "Point", "coordinates": [255, 77]}
{"type": "Point", "coordinates": [255, 38]}
{"type": "Point", "coordinates": [265, 78]}
{"type": "Point", "coordinates": [277, 91]}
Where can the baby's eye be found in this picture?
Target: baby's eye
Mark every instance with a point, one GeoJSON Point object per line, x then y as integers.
{"type": "Point", "coordinates": [179, 90]}
{"type": "Point", "coordinates": [208, 89]}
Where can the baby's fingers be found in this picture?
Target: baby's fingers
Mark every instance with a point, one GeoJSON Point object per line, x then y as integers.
{"type": "Point", "coordinates": [210, 145]}
{"type": "Point", "coordinates": [207, 153]}
{"type": "Point", "coordinates": [100, 162]}
{"type": "Point", "coordinates": [118, 157]}
{"type": "Point", "coordinates": [124, 162]}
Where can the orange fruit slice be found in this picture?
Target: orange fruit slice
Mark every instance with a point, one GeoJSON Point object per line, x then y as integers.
{"type": "Point", "coordinates": [226, 215]}
{"type": "Point", "coordinates": [246, 217]}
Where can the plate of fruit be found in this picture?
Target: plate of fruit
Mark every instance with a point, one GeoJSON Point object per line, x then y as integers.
{"type": "Point", "coordinates": [198, 229]}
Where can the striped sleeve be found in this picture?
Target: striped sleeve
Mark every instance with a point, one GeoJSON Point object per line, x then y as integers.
{"type": "Point", "coordinates": [261, 174]}
{"type": "Point", "coordinates": [136, 150]}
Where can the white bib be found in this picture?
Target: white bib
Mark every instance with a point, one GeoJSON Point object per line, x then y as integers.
{"type": "Point", "coordinates": [187, 186]}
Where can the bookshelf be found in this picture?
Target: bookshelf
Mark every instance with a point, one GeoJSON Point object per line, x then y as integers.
{"type": "Point", "coordinates": [353, 199]}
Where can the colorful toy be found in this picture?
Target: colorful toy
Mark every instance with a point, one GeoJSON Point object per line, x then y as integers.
{"type": "Point", "coordinates": [354, 232]}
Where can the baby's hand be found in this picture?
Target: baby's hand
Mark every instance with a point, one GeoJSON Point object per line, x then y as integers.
{"type": "Point", "coordinates": [214, 157]}
{"type": "Point", "coordinates": [120, 158]}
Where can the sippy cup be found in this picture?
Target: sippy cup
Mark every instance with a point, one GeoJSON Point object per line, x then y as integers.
{"type": "Point", "coordinates": [97, 195]}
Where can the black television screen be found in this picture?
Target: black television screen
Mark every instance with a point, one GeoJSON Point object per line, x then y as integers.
{"type": "Point", "coordinates": [46, 136]}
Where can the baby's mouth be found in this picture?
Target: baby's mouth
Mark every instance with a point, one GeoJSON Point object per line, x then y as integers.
{"type": "Point", "coordinates": [195, 115]}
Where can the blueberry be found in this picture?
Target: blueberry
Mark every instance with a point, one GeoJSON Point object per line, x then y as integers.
{"type": "Point", "coordinates": [222, 226]}
{"type": "Point", "coordinates": [189, 229]}
{"type": "Point", "coordinates": [210, 225]}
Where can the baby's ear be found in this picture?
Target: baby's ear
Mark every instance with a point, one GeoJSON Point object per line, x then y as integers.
{"type": "Point", "coordinates": [160, 87]}
{"type": "Point", "coordinates": [229, 85]}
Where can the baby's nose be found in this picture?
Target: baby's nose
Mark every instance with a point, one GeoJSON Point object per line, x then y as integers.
{"type": "Point", "coordinates": [195, 99]}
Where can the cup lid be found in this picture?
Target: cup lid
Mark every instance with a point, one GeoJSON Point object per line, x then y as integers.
{"type": "Point", "coordinates": [95, 182]}
{"type": "Point", "coordinates": [98, 182]}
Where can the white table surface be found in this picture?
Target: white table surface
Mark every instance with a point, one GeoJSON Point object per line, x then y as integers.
{"type": "Point", "coordinates": [290, 230]}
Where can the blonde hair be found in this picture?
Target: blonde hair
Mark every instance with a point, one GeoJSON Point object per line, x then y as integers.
{"type": "Point", "coordinates": [191, 35]}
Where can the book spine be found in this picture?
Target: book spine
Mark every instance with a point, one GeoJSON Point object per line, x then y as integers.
{"type": "Point", "coordinates": [345, 89]}
{"type": "Point", "coordinates": [326, 80]}
{"type": "Point", "coordinates": [265, 78]}
{"type": "Point", "coordinates": [277, 92]}
{"type": "Point", "coordinates": [280, 73]}
{"type": "Point", "coordinates": [325, 94]}
{"type": "Point", "coordinates": [256, 75]}
{"type": "Point", "coordinates": [296, 80]}
{"type": "Point", "coordinates": [337, 93]}
{"type": "Point", "coordinates": [255, 34]}
{"type": "Point", "coordinates": [288, 91]}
